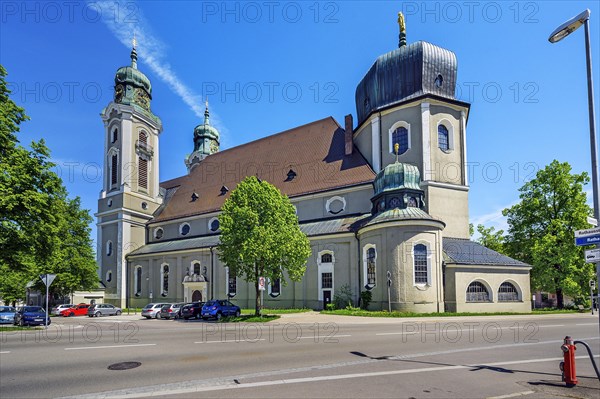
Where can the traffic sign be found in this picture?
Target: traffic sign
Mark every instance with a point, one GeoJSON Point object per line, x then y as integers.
{"type": "Point", "coordinates": [592, 256]}
{"type": "Point", "coordinates": [47, 278]}
{"type": "Point", "coordinates": [587, 232]}
{"type": "Point", "coordinates": [587, 240]}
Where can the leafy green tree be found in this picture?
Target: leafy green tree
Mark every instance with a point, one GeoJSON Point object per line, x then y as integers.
{"type": "Point", "coordinates": [490, 238]}
{"type": "Point", "coordinates": [541, 231]}
{"type": "Point", "coordinates": [260, 236]}
{"type": "Point", "coordinates": [41, 230]}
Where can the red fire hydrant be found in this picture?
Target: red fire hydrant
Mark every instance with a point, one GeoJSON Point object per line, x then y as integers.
{"type": "Point", "coordinates": [568, 365]}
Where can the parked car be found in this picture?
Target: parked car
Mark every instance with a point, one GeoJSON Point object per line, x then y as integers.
{"type": "Point", "coordinates": [7, 314]}
{"type": "Point", "coordinates": [219, 308]}
{"type": "Point", "coordinates": [59, 308]}
{"type": "Point", "coordinates": [170, 311]}
{"type": "Point", "coordinates": [151, 310]}
{"type": "Point", "coordinates": [178, 315]}
{"type": "Point", "coordinates": [31, 316]}
{"type": "Point", "coordinates": [192, 310]}
{"type": "Point", "coordinates": [103, 309]}
{"type": "Point", "coordinates": [77, 310]}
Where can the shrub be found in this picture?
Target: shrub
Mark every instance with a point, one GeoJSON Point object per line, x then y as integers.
{"type": "Point", "coordinates": [343, 297]}
{"type": "Point", "coordinates": [365, 299]}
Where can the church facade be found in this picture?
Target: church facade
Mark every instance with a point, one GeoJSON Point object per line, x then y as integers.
{"type": "Point", "coordinates": [383, 200]}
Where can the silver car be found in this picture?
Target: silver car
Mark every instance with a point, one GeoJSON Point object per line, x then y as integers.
{"type": "Point", "coordinates": [152, 310]}
{"type": "Point", "coordinates": [59, 308]}
{"type": "Point", "coordinates": [103, 309]}
{"type": "Point", "coordinates": [7, 314]}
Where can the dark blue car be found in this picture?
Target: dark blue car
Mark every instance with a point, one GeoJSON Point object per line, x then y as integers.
{"type": "Point", "coordinates": [31, 316]}
{"type": "Point", "coordinates": [219, 308]}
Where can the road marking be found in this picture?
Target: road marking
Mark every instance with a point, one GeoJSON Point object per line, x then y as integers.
{"type": "Point", "coordinates": [512, 395]}
{"type": "Point", "coordinates": [230, 341]}
{"type": "Point", "coordinates": [587, 324]}
{"type": "Point", "coordinates": [170, 389]}
{"type": "Point", "coordinates": [107, 347]}
{"type": "Point", "coordinates": [326, 336]}
{"type": "Point", "coordinates": [476, 328]}
{"type": "Point", "coordinates": [552, 325]}
{"type": "Point", "coordinates": [3, 352]}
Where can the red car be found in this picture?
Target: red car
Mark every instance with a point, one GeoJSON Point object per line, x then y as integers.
{"type": "Point", "coordinates": [77, 310]}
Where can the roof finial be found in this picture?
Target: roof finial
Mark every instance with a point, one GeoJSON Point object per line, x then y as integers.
{"type": "Point", "coordinates": [396, 148]}
{"type": "Point", "coordinates": [133, 52]}
{"type": "Point", "coordinates": [206, 113]}
{"type": "Point", "coordinates": [402, 35]}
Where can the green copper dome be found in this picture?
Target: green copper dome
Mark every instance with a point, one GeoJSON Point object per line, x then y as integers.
{"type": "Point", "coordinates": [206, 137]}
{"type": "Point", "coordinates": [397, 176]}
{"type": "Point", "coordinates": [132, 87]}
{"type": "Point", "coordinates": [133, 76]}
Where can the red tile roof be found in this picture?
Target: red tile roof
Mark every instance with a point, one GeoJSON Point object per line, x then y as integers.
{"type": "Point", "coordinates": [315, 152]}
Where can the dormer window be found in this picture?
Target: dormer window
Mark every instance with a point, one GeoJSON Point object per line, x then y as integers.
{"type": "Point", "coordinates": [224, 190]}
{"type": "Point", "coordinates": [290, 175]}
{"type": "Point", "coordinates": [195, 197]}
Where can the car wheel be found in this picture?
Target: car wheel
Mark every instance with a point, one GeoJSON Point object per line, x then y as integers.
{"type": "Point", "coordinates": [71, 314]}
{"type": "Point", "coordinates": [118, 313]}
{"type": "Point", "coordinates": [148, 317]}
{"type": "Point", "coordinates": [97, 314]}
{"type": "Point", "coordinates": [197, 316]}
{"type": "Point", "coordinates": [237, 313]}
{"type": "Point", "coordinates": [219, 316]}
{"type": "Point", "coordinates": [21, 323]}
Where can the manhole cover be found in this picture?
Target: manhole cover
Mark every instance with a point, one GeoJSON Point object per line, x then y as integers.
{"type": "Point", "coordinates": [124, 365]}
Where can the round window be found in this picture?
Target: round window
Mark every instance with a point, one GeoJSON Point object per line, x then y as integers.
{"type": "Point", "coordinates": [144, 205]}
{"type": "Point", "coordinates": [158, 233]}
{"type": "Point", "coordinates": [214, 225]}
{"type": "Point", "coordinates": [185, 229]}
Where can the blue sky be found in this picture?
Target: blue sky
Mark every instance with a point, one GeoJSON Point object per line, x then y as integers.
{"type": "Point", "coordinates": [271, 66]}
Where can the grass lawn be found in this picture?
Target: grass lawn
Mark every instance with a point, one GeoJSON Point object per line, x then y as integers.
{"type": "Point", "coordinates": [276, 311]}
{"type": "Point", "coordinates": [381, 313]}
{"type": "Point", "coordinates": [4, 328]}
{"type": "Point", "coordinates": [250, 318]}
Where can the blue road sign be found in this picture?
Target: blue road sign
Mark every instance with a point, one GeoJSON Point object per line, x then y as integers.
{"type": "Point", "coordinates": [589, 240]}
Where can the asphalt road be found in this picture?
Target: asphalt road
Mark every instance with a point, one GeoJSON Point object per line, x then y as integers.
{"type": "Point", "coordinates": [301, 355]}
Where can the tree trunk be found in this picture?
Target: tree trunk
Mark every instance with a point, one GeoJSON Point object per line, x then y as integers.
{"type": "Point", "coordinates": [559, 299]}
{"type": "Point", "coordinates": [257, 308]}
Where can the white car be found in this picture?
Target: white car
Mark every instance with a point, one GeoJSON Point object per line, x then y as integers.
{"type": "Point", "coordinates": [152, 310]}
{"type": "Point", "coordinates": [57, 309]}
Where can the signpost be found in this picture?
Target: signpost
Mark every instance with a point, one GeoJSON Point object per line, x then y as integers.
{"type": "Point", "coordinates": [587, 237]}
{"type": "Point", "coordinates": [389, 285]}
{"type": "Point", "coordinates": [592, 255]}
{"type": "Point", "coordinates": [261, 287]}
{"type": "Point", "coordinates": [47, 279]}
{"type": "Point", "coordinates": [592, 286]}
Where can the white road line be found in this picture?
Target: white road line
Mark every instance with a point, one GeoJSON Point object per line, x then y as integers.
{"type": "Point", "coordinates": [512, 395]}
{"type": "Point", "coordinates": [587, 324]}
{"type": "Point", "coordinates": [552, 325]}
{"type": "Point", "coordinates": [326, 336]}
{"type": "Point", "coordinates": [232, 385]}
{"type": "Point", "coordinates": [4, 352]}
{"type": "Point", "coordinates": [107, 347]}
{"type": "Point", "coordinates": [477, 328]}
{"type": "Point", "coordinates": [231, 341]}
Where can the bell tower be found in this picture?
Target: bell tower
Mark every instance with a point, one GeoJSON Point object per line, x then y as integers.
{"type": "Point", "coordinates": [130, 194]}
{"type": "Point", "coordinates": [206, 142]}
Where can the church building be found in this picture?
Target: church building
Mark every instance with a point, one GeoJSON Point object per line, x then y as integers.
{"type": "Point", "coordinates": [383, 200]}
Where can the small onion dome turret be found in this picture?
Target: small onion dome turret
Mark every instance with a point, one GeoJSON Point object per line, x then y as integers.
{"type": "Point", "coordinates": [131, 76]}
{"type": "Point", "coordinates": [396, 176]}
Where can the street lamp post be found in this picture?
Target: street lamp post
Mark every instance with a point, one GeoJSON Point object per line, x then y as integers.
{"type": "Point", "coordinates": [560, 33]}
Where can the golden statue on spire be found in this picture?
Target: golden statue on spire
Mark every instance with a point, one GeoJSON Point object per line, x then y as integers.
{"type": "Point", "coordinates": [396, 148]}
{"type": "Point", "coordinates": [401, 22]}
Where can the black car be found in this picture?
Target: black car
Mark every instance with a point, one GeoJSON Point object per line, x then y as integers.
{"type": "Point", "coordinates": [192, 310]}
{"type": "Point", "coordinates": [31, 316]}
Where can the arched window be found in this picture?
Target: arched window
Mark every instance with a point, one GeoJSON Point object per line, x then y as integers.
{"type": "Point", "coordinates": [138, 281]}
{"type": "Point", "coordinates": [326, 258]}
{"type": "Point", "coordinates": [371, 267]}
{"type": "Point", "coordinates": [231, 284]}
{"type": "Point", "coordinates": [443, 140]}
{"type": "Point", "coordinates": [115, 135]}
{"type": "Point", "coordinates": [165, 280]}
{"type": "Point", "coordinates": [143, 138]}
{"type": "Point", "coordinates": [114, 165]}
{"type": "Point", "coordinates": [420, 264]}
{"type": "Point", "coordinates": [108, 276]}
{"type": "Point", "coordinates": [507, 293]}
{"type": "Point", "coordinates": [143, 172]}
{"type": "Point", "coordinates": [196, 268]}
{"type": "Point", "coordinates": [477, 292]}
{"type": "Point", "coordinates": [400, 137]}
{"type": "Point", "coordinates": [275, 288]}
{"type": "Point", "coordinates": [108, 248]}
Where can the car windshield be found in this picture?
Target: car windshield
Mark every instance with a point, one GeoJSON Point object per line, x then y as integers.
{"type": "Point", "coordinates": [211, 303]}
{"type": "Point", "coordinates": [149, 306]}
{"type": "Point", "coordinates": [165, 307]}
{"type": "Point", "coordinates": [33, 309]}
{"type": "Point", "coordinates": [7, 309]}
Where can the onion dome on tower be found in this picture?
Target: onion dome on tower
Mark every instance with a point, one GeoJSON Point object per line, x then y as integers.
{"type": "Point", "coordinates": [206, 141]}
{"type": "Point", "coordinates": [408, 72]}
{"type": "Point", "coordinates": [132, 87]}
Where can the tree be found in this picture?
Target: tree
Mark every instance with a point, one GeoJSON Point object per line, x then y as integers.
{"type": "Point", "coordinates": [490, 238]}
{"type": "Point", "coordinates": [541, 231]}
{"type": "Point", "coordinates": [260, 236]}
{"type": "Point", "coordinates": [41, 230]}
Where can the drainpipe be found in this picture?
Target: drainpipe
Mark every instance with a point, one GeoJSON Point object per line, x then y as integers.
{"type": "Point", "coordinates": [359, 264]}
{"type": "Point", "coordinates": [212, 272]}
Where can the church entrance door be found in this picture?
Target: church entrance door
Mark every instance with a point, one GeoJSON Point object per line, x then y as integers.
{"type": "Point", "coordinates": [197, 296]}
